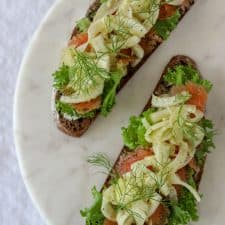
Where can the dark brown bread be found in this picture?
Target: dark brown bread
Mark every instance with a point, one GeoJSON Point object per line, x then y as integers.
{"type": "Point", "coordinates": [149, 43]}
{"type": "Point", "coordinates": [161, 88]}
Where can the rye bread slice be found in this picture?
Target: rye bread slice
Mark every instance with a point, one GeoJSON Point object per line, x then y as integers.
{"type": "Point", "coordinates": [150, 42]}
{"type": "Point", "coordinates": [161, 88]}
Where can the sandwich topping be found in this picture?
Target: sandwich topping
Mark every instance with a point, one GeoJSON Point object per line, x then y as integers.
{"type": "Point", "coordinates": [156, 176]}
{"type": "Point", "coordinates": [98, 56]}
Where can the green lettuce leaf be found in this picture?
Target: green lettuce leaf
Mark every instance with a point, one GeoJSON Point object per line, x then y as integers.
{"type": "Point", "coordinates": [93, 214]}
{"type": "Point", "coordinates": [83, 24]}
{"type": "Point", "coordinates": [109, 93]}
{"type": "Point", "coordinates": [207, 143]}
{"type": "Point", "coordinates": [178, 216]}
{"type": "Point", "coordinates": [163, 27]}
{"type": "Point", "coordinates": [134, 134]}
{"type": "Point", "coordinates": [181, 74]}
{"type": "Point", "coordinates": [185, 209]}
{"type": "Point", "coordinates": [61, 77]}
{"type": "Point", "coordinates": [65, 108]}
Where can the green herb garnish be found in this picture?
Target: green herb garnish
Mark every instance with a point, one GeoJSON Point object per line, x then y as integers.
{"type": "Point", "coordinates": [181, 74]}
{"type": "Point", "coordinates": [93, 214]}
{"type": "Point", "coordinates": [135, 188]}
{"type": "Point", "coordinates": [85, 72]}
{"type": "Point", "coordinates": [118, 33]}
{"type": "Point", "coordinates": [151, 9]}
{"type": "Point", "coordinates": [101, 160]}
{"type": "Point", "coordinates": [132, 188]}
{"type": "Point", "coordinates": [188, 128]}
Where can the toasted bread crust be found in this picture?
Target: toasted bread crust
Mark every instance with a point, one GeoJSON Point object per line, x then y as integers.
{"type": "Point", "coordinates": [162, 88]}
{"type": "Point", "coordinates": [149, 43]}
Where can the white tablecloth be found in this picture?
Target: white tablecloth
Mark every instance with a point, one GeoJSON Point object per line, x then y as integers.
{"type": "Point", "coordinates": [18, 21]}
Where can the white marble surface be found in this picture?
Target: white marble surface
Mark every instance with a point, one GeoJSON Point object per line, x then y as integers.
{"type": "Point", "coordinates": [53, 165]}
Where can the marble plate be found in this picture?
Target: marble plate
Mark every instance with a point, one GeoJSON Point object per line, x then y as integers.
{"type": "Point", "coordinates": [53, 165]}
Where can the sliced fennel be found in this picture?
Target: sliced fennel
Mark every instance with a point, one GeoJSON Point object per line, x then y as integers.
{"type": "Point", "coordinates": [174, 125]}
{"type": "Point", "coordinates": [117, 25]}
{"type": "Point", "coordinates": [133, 196]}
{"type": "Point", "coordinates": [86, 75]}
{"type": "Point", "coordinates": [176, 180]}
{"type": "Point", "coordinates": [176, 2]}
{"type": "Point", "coordinates": [94, 90]}
{"type": "Point", "coordinates": [167, 101]}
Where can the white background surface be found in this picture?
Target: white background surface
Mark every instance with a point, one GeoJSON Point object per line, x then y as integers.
{"type": "Point", "coordinates": [18, 21]}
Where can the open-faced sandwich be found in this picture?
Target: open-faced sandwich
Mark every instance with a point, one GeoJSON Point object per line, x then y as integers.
{"type": "Point", "coordinates": [156, 177]}
{"type": "Point", "coordinates": [106, 48]}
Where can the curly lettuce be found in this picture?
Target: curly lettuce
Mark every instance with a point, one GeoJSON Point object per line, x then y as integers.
{"type": "Point", "coordinates": [134, 134]}
{"type": "Point", "coordinates": [185, 209]}
{"type": "Point", "coordinates": [61, 77]}
{"type": "Point", "coordinates": [93, 214]}
{"type": "Point", "coordinates": [65, 108]}
{"type": "Point", "coordinates": [163, 27]}
{"type": "Point", "coordinates": [181, 74]}
{"type": "Point", "coordinates": [207, 143]}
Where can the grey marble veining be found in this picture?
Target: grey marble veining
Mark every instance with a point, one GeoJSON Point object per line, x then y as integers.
{"type": "Point", "coordinates": [54, 166]}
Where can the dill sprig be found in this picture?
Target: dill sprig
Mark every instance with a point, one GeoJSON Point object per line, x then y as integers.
{"type": "Point", "coordinates": [85, 72]}
{"type": "Point", "coordinates": [132, 187]}
{"type": "Point", "coordinates": [118, 33]}
{"type": "Point", "coordinates": [118, 28]}
{"type": "Point", "coordinates": [163, 171]}
{"type": "Point", "coordinates": [135, 187]}
{"type": "Point", "coordinates": [132, 190]}
{"type": "Point", "coordinates": [150, 9]}
{"type": "Point", "coordinates": [100, 160]}
{"type": "Point", "coordinates": [187, 127]}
